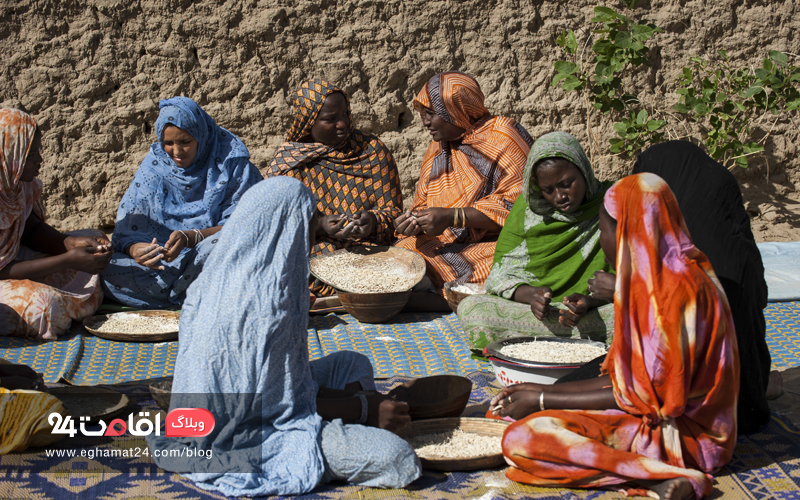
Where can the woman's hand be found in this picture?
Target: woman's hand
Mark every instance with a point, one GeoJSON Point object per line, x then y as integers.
{"type": "Point", "coordinates": [178, 240]}
{"type": "Point", "coordinates": [577, 305]}
{"type": "Point", "coordinates": [540, 301]}
{"type": "Point", "coordinates": [407, 225]}
{"type": "Point", "coordinates": [602, 286]}
{"type": "Point", "coordinates": [435, 220]}
{"type": "Point", "coordinates": [386, 412]}
{"type": "Point", "coordinates": [332, 226]}
{"type": "Point", "coordinates": [101, 244]}
{"type": "Point", "coordinates": [88, 259]}
{"type": "Point", "coordinates": [362, 225]}
{"type": "Point", "coordinates": [507, 391]}
{"type": "Point", "coordinates": [148, 254]}
{"type": "Point", "coordinates": [516, 404]}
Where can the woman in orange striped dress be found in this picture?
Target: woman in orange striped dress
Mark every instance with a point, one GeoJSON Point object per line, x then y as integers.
{"type": "Point", "coordinates": [470, 178]}
{"type": "Point", "coordinates": [663, 417]}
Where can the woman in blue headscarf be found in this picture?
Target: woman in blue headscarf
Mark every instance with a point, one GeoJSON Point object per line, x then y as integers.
{"type": "Point", "coordinates": [283, 424]}
{"type": "Point", "coordinates": [186, 188]}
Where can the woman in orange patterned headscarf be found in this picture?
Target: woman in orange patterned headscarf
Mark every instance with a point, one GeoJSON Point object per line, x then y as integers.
{"type": "Point", "coordinates": [352, 174]}
{"type": "Point", "coordinates": [47, 279]}
{"type": "Point", "coordinates": [470, 178]}
{"type": "Point", "coordinates": [664, 414]}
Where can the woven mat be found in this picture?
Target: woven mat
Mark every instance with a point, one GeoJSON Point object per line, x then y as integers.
{"type": "Point", "coordinates": [415, 345]}
{"type": "Point", "coordinates": [765, 466]}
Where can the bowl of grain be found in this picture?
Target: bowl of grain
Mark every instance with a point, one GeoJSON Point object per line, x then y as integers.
{"type": "Point", "coordinates": [541, 360]}
{"type": "Point", "coordinates": [437, 396]}
{"type": "Point", "coordinates": [457, 444]}
{"type": "Point", "coordinates": [135, 326]}
{"type": "Point", "coordinates": [455, 292]}
{"type": "Point", "coordinates": [373, 283]}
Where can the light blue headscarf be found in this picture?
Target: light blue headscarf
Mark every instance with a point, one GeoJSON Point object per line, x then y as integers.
{"type": "Point", "coordinates": [163, 197]}
{"type": "Point", "coordinates": [244, 331]}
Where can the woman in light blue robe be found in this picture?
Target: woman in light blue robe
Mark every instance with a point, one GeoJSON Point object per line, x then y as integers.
{"type": "Point", "coordinates": [168, 219]}
{"type": "Point", "coordinates": [243, 355]}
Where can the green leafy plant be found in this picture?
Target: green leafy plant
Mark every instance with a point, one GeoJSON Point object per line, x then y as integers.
{"type": "Point", "coordinates": [599, 77]}
{"type": "Point", "coordinates": [727, 102]}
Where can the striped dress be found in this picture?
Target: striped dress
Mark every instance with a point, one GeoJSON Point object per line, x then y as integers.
{"type": "Point", "coordinates": [482, 170]}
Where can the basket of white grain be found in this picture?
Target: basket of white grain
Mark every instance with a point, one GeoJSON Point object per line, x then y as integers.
{"type": "Point", "coordinates": [137, 326]}
{"type": "Point", "coordinates": [373, 283]}
{"type": "Point", "coordinates": [541, 360]}
{"type": "Point", "coordinates": [455, 292]}
{"type": "Point", "coordinates": [457, 444]}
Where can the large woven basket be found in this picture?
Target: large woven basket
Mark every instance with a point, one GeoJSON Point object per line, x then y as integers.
{"type": "Point", "coordinates": [404, 262]}
{"type": "Point", "coordinates": [93, 325]}
{"type": "Point", "coordinates": [482, 426]}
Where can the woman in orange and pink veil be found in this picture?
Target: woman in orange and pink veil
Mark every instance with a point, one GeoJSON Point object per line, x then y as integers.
{"type": "Point", "coordinates": [662, 418]}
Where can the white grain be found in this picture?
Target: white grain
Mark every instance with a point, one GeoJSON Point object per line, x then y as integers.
{"type": "Point", "coordinates": [360, 274]}
{"type": "Point", "coordinates": [136, 323]}
{"type": "Point", "coordinates": [455, 444]}
{"type": "Point", "coordinates": [552, 352]}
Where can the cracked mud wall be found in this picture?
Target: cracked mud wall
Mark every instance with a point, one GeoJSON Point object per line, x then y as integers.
{"type": "Point", "coordinates": [92, 73]}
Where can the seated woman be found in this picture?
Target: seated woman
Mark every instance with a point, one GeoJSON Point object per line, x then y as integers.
{"type": "Point", "coordinates": [284, 424]}
{"type": "Point", "coordinates": [184, 191]}
{"type": "Point", "coordinates": [352, 174]}
{"type": "Point", "coordinates": [548, 249]}
{"type": "Point", "coordinates": [47, 279]}
{"type": "Point", "coordinates": [709, 196]}
{"type": "Point", "coordinates": [663, 417]}
{"type": "Point", "coordinates": [470, 176]}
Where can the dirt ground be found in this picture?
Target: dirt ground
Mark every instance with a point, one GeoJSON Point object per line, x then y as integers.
{"type": "Point", "coordinates": [92, 74]}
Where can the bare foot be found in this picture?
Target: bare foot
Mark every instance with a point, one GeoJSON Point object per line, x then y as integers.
{"type": "Point", "coordinates": [775, 385]}
{"type": "Point", "coordinates": [678, 488]}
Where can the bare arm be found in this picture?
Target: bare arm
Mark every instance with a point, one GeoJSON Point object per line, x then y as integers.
{"type": "Point", "coordinates": [522, 400]}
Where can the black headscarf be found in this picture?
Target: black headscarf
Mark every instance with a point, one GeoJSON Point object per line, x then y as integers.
{"type": "Point", "coordinates": [712, 206]}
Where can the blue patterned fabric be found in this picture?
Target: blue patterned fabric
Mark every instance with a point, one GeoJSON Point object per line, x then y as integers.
{"type": "Point", "coordinates": [163, 198]}
{"type": "Point", "coordinates": [243, 332]}
{"type": "Point", "coordinates": [243, 348]}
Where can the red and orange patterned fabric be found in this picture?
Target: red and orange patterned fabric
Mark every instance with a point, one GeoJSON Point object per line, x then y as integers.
{"type": "Point", "coordinates": [32, 309]}
{"type": "Point", "coordinates": [673, 365]}
{"type": "Point", "coordinates": [359, 174]}
{"type": "Point", "coordinates": [482, 169]}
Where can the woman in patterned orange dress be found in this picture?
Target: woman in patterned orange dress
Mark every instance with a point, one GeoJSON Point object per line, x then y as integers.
{"type": "Point", "coordinates": [663, 417]}
{"type": "Point", "coordinates": [352, 174]}
{"type": "Point", "coordinates": [47, 279]}
{"type": "Point", "coordinates": [470, 178]}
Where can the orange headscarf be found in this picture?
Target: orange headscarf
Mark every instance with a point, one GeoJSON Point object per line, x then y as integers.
{"type": "Point", "coordinates": [17, 199]}
{"type": "Point", "coordinates": [674, 360]}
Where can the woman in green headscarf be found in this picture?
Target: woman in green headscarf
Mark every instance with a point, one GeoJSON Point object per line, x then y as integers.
{"type": "Point", "coordinates": [546, 254]}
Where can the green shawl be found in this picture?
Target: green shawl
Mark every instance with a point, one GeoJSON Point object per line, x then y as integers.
{"type": "Point", "coordinates": [541, 246]}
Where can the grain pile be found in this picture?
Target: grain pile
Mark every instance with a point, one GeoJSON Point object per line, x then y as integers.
{"type": "Point", "coordinates": [360, 274]}
{"type": "Point", "coordinates": [455, 444]}
{"type": "Point", "coordinates": [469, 288]}
{"type": "Point", "coordinates": [552, 352]}
{"type": "Point", "coordinates": [137, 323]}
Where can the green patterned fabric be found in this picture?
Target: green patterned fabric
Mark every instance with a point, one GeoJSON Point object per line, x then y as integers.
{"type": "Point", "coordinates": [488, 318]}
{"type": "Point", "coordinates": [541, 246]}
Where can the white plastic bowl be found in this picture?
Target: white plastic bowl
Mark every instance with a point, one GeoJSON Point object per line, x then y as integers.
{"type": "Point", "coordinates": [509, 374]}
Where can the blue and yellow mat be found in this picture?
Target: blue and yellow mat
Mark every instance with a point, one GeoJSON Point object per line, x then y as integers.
{"type": "Point", "coordinates": [415, 345]}
{"type": "Point", "coordinates": [765, 465]}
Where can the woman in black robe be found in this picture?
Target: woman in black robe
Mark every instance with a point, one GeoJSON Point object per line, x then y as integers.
{"type": "Point", "coordinates": [712, 206]}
